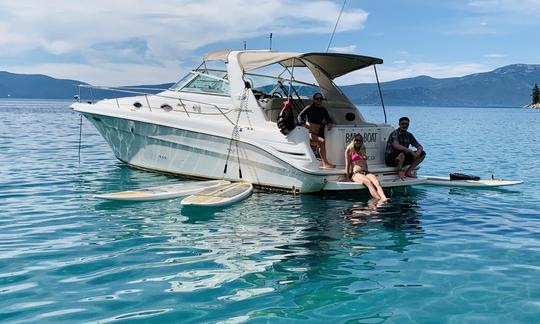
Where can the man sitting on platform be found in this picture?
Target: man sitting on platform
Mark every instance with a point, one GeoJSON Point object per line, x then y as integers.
{"type": "Point", "coordinates": [398, 153]}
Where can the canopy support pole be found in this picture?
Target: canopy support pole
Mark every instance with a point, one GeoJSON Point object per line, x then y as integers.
{"type": "Point", "coordinates": [380, 93]}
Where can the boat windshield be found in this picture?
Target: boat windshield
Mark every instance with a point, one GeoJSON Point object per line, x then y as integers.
{"type": "Point", "coordinates": [204, 81]}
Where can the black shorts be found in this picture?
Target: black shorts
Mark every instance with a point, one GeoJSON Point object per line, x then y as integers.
{"type": "Point", "coordinates": [320, 133]}
{"type": "Point", "coordinates": [390, 159]}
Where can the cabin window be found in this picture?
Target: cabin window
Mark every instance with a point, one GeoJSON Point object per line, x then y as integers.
{"type": "Point", "coordinates": [204, 81]}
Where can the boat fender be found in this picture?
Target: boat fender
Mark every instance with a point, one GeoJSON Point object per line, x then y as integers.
{"type": "Point", "coordinates": [285, 120]}
{"type": "Point", "coordinates": [461, 176]}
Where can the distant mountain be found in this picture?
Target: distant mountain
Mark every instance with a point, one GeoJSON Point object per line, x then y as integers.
{"type": "Point", "coordinates": [508, 86]}
{"type": "Point", "coordinates": [97, 94]}
{"type": "Point", "coordinates": [36, 86]}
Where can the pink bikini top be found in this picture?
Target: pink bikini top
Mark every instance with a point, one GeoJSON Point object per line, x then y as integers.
{"type": "Point", "coordinates": [358, 157]}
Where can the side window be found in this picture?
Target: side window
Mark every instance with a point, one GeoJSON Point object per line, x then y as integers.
{"type": "Point", "coordinates": [203, 83]}
{"type": "Point", "coordinates": [178, 85]}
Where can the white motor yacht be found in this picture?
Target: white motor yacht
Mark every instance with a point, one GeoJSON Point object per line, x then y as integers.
{"type": "Point", "coordinates": [221, 123]}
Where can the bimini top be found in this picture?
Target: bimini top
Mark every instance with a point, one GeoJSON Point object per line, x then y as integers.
{"type": "Point", "coordinates": [333, 64]}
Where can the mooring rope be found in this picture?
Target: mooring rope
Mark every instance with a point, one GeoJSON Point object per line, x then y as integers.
{"type": "Point", "coordinates": [235, 136]}
{"type": "Point", "coordinates": [80, 139]}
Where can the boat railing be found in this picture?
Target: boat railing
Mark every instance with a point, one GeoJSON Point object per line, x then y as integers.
{"type": "Point", "coordinates": [141, 92]}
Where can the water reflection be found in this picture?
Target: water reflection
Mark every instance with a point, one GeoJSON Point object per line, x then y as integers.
{"type": "Point", "coordinates": [267, 244]}
{"type": "Point", "coordinates": [360, 214]}
{"type": "Point", "coordinates": [346, 247]}
{"type": "Point", "coordinates": [270, 258]}
{"type": "Point", "coordinates": [207, 248]}
{"type": "Point", "coordinates": [398, 219]}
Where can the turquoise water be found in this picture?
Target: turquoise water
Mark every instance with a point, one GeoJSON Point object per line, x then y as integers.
{"type": "Point", "coordinates": [430, 255]}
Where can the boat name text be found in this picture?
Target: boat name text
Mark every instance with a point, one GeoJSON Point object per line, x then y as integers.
{"type": "Point", "coordinates": [368, 137]}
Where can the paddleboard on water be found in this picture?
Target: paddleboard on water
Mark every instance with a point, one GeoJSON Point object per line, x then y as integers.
{"type": "Point", "coordinates": [445, 181]}
{"type": "Point", "coordinates": [163, 192]}
{"type": "Point", "coordinates": [223, 195]}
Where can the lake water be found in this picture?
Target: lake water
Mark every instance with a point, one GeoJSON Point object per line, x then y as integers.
{"type": "Point", "coordinates": [430, 255]}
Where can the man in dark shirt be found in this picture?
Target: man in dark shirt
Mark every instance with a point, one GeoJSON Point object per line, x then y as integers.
{"type": "Point", "coordinates": [315, 118]}
{"type": "Point", "coordinates": [398, 153]}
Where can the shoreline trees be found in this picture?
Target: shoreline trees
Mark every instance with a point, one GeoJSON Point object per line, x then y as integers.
{"type": "Point", "coordinates": [535, 95]}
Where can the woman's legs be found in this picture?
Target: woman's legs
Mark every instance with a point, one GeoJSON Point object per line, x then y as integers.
{"type": "Point", "coordinates": [377, 185]}
{"type": "Point", "coordinates": [322, 150]}
{"type": "Point", "coordinates": [359, 177]}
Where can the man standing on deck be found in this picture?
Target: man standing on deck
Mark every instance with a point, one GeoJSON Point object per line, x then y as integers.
{"type": "Point", "coordinates": [397, 152]}
{"type": "Point", "coordinates": [316, 118]}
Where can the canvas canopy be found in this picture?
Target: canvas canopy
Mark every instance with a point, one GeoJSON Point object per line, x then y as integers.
{"type": "Point", "coordinates": [333, 64]}
{"type": "Point", "coordinates": [217, 56]}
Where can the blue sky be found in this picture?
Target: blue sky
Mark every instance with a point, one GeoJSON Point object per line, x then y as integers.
{"type": "Point", "coordinates": [124, 42]}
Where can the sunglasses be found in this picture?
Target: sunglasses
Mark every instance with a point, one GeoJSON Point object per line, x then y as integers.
{"type": "Point", "coordinates": [319, 99]}
{"type": "Point", "coordinates": [359, 140]}
{"type": "Point", "coordinates": [404, 124]}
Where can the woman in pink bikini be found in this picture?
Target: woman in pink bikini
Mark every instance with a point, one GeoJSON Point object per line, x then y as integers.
{"type": "Point", "coordinates": [356, 168]}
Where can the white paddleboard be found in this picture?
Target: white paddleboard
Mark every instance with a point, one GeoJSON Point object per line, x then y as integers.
{"type": "Point", "coordinates": [445, 181]}
{"type": "Point", "coordinates": [386, 183]}
{"type": "Point", "coordinates": [223, 195]}
{"type": "Point", "coordinates": [163, 192]}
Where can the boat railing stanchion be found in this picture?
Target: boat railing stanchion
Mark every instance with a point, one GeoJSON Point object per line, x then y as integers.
{"type": "Point", "coordinates": [183, 106]}
{"type": "Point", "coordinates": [221, 111]}
{"type": "Point", "coordinates": [147, 101]}
{"type": "Point", "coordinates": [79, 93]}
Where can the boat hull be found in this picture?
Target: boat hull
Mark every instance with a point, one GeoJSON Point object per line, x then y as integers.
{"type": "Point", "coordinates": [199, 154]}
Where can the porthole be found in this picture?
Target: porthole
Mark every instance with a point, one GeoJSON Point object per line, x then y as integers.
{"type": "Point", "coordinates": [166, 107]}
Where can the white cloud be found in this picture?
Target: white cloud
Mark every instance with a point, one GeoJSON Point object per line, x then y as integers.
{"type": "Point", "coordinates": [496, 17]}
{"type": "Point", "coordinates": [345, 49]}
{"type": "Point", "coordinates": [57, 47]}
{"type": "Point", "coordinates": [106, 74]}
{"type": "Point", "coordinates": [157, 33]}
{"type": "Point", "coordinates": [390, 73]}
{"type": "Point", "coordinates": [494, 55]}
{"type": "Point", "coordinates": [522, 7]}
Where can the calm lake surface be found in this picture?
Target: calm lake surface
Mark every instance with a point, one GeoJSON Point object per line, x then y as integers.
{"type": "Point", "coordinates": [430, 255]}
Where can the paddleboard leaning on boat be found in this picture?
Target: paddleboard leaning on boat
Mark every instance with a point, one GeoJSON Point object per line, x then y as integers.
{"type": "Point", "coordinates": [223, 195]}
{"type": "Point", "coordinates": [169, 191]}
